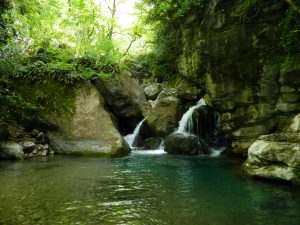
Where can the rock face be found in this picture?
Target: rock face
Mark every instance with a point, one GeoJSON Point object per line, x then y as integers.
{"type": "Point", "coordinates": [222, 55]}
{"type": "Point", "coordinates": [11, 150]}
{"type": "Point", "coordinates": [152, 91]}
{"type": "Point", "coordinates": [185, 144]}
{"type": "Point", "coordinates": [89, 130]}
{"type": "Point", "coordinates": [163, 114]}
{"type": "Point", "coordinates": [124, 97]}
{"type": "Point", "coordinates": [276, 156]}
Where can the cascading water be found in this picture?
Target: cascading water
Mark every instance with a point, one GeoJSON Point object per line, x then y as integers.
{"type": "Point", "coordinates": [198, 132]}
{"type": "Point", "coordinates": [132, 139]}
{"type": "Point", "coordinates": [186, 123]}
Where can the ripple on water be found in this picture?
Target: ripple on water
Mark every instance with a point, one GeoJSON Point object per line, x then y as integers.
{"type": "Point", "coordinates": [141, 189]}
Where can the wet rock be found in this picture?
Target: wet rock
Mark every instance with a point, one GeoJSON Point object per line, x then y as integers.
{"type": "Point", "coordinates": [153, 91]}
{"type": "Point", "coordinates": [11, 150]}
{"type": "Point", "coordinates": [185, 144]}
{"type": "Point", "coordinates": [206, 126]}
{"type": "Point", "coordinates": [28, 146]}
{"type": "Point", "coordinates": [163, 114]}
{"type": "Point", "coordinates": [152, 143]}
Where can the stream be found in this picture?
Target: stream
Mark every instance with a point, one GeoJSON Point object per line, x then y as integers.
{"type": "Point", "coordinates": [147, 187]}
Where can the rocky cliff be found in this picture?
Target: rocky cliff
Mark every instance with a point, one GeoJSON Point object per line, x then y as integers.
{"type": "Point", "coordinates": [234, 55]}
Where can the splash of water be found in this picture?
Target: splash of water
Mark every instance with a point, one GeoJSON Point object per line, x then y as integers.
{"type": "Point", "coordinates": [186, 122]}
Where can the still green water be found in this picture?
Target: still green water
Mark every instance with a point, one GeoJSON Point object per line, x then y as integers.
{"type": "Point", "coordinates": [140, 189]}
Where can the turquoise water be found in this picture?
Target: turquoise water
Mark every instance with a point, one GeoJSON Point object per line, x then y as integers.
{"type": "Point", "coordinates": [140, 189]}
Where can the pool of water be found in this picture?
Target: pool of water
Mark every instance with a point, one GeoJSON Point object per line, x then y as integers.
{"type": "Point", "coordinates": [140, 189]}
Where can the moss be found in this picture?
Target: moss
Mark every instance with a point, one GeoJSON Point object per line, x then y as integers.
{"type": "Point", "coordinates": [48, 95]}
{"type": "Point", "coordinates": [89, 153]}
{"type": "Point", "coordinates": [118, 151]}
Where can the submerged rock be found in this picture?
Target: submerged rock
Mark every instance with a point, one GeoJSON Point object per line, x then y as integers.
{"type": "Point", "coordinates": [152, 143]}
{"type": "Point", "coordinates": [185, 144]}
{"type": "Point", "coordinates": [11, 150]}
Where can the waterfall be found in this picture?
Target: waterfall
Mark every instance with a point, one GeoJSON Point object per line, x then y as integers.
{"type": "Point", "coordinates": [186, 122]}
{"type": "Point", "coordinates": [132, 139]}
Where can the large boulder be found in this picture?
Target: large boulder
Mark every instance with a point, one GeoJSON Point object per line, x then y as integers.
{"type": "Point", "coordinates": [11, 150]}
{"type": "Point", "coordinates": [74, 117]}
{"type": "Point", "coordinates": [206, 125]}
{"type": "Point", "coordinates": [124, 97]}
{"type": "Point", "coordinates": [163, 114]}
{"type": "Point", "coordinates": [152, 143]}
{"type": "Point", "coordinates": [185, 144]}
{"type": "Point", "coordinates": [274, 160]}
{"type": "Point", "coordinates": [152, 91]}
{"type": "Point", "coordinates": [89, 130]}
{"type": "Point", "coordinates": [276, 156]}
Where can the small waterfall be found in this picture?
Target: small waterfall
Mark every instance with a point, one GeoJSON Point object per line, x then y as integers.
{"type": "Point", "coordinates": [186, 122]}
{"type": "Point", "coordinates": [132, 139]}
{"type": "Point", "coordinates": [200, 121]}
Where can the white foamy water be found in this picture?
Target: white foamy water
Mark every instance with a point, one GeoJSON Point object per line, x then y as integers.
{"type": "Point", "coordinates": [131, 139]}
{"type": "Point", "coordinates": [149, 152]}
{"type": "Point", "coordinates": [186, 122]}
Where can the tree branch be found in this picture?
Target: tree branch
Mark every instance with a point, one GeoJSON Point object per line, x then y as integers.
{"type": "Point", "coordinates": [108, 6]}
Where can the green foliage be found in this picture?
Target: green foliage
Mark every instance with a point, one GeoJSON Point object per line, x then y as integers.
{"type": "Point", "coordinates": [165, 17]}
{"type": "Point", "coordinates": [291, 31]}
{"type": "Point", "coordinates": [170, 10]}
{"type": "Point", "coordinates": [4, 21]}
{"type": "Point", "coordinates": [12, 104]}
